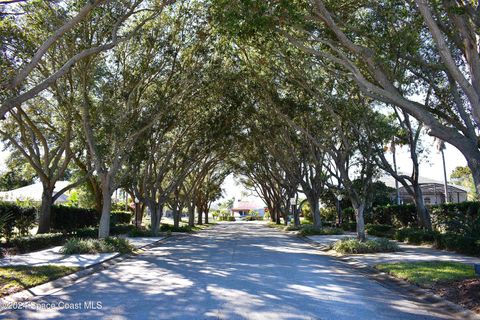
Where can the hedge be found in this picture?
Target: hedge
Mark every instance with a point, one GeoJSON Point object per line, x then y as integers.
{"type": "Point", "coordinates": [462, 218]}
{"type": "Point", "coordinates": [380, 230]}
{"type": "Point", "coordinates": [16, 220]}
{"type": "Point", "coordinates": [119, 217]}
{"type": "Point", "coordinates": [449, 240]}
{"type": "Point", "coordinates": [37, 242]}
{"type": "Point", "coordinates": [416, 236]}
{"type": "Point", "coordinates": [349, 226]}
{"type": "Point", "coordinates": [68, 219]}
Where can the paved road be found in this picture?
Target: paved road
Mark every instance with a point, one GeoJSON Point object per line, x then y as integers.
{"type": "Point", "coordinates": [232, 271]}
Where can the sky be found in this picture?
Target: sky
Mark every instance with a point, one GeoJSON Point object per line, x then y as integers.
{"type": "Point", "coordinates": [431, 167]}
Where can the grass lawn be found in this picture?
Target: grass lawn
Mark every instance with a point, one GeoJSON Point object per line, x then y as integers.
{"type": "Point", "coordinates": [428, 273]}
{"type": "Point", "coordinates": [17, 278]}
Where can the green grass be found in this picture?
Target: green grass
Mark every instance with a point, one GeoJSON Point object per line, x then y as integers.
{"type": "Point", "coordinates": [353, 246]}
{"type": "Point", "coordinates": [17, 278]}
{"type": "Point", "coordinates": [428, 273]}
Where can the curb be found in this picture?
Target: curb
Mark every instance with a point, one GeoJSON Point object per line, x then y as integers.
{"type": "Point", "coordinates": [413, 292]}
{"type": "Point", "coordinates": [48, 288]}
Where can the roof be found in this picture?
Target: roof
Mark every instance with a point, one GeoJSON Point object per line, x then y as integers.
{"type": "Point", "coordinates": [33, 192]}
{"type": "Point", "coordinates": [245, 206]}
{"type": "Point", "coordinates": [425, 183]}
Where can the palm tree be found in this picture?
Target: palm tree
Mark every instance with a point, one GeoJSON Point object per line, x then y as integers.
{"type": "Point", "coordinates": [440, 145]}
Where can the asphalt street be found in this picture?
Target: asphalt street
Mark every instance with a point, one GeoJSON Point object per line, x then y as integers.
{"type": "Point", "coordinates": [230, 271]}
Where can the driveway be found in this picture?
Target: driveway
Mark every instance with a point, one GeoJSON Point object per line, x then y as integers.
{"type": "Point", "coordinates": [231, 271]}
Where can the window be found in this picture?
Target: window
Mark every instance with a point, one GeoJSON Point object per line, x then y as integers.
{"type": "Point", "coordinates": [427, 200]}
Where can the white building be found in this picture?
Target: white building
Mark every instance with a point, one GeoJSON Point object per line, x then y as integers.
{"type": "Point", "coordinates": [33, 192]}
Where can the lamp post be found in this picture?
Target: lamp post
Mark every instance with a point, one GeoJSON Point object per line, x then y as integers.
{"type": "Point", "coordinates": [339, 198]}
{"type": "Point", "coordinates": [136, 211]}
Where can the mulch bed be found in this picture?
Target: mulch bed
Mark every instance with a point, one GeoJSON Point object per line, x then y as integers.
{"type": "Point", "coordinates": [465, 293]}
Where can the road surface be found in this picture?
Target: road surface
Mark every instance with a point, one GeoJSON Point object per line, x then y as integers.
{"type": "Point", "coordinates": [231, 271]}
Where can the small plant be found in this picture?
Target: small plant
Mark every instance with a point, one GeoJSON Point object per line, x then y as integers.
{"type": "Point", "coordinates": [92, 246]}
{"type": "Point", "coordinates": [310, 230]}
{"type": "Point", "coordinates": [354, 246]}
{"type": "Point", "coordinates": [291, 227]}
{"type": "Point", "coordinates": [118, 244]}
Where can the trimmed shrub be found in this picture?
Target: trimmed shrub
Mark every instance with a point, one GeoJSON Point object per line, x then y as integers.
{"type": "Point", "coordinates": [416, 236]}
{"type": "Point", "coordinates": [403, 215]}
{"type": "Point", "coordinates": [348, 214]}
{"type": "Point", "coordinates": [328, 224]}
{"type": "Point", "coordinates": [68, 219]}
{"type": "Point", "coordinates": [120, 217]}
{"type": "Point", "coordinates": [16, 220]}
{"type": "Point", "coordinates": [91, 246]}
{"type": "Point", "coordinates": [114, 230]}
{"type": "Point", "coordinates": [226, 218]}
{"type": "Point", "coordinates": [459, 243]}
{"type": "Point", "coordinates": [349, 226]}
{"type": "Point", "coordinates": [253, 218]}
{"type": "Point", "coordinates": [461, 218]}
{"type": "Point", "coordinates": [380, 230]}
{"type": "Point", "coordinates": [87, 233]}
{"type": "Point", "coordinates": [309, 230]}
{"type": "Point", "coordinates": [354, 246]}
{"type": "Point", "coordinates": [37, 242]}
{"type": "Point", "coordinates": [137, 232]}
{"type": "Point", "coordinates": [171, 228]}
{"type": "Point", "coordinates": [121, 229]}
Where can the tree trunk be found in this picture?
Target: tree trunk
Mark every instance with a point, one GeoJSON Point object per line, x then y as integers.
{"type": "Point", "coordinates": [339, 213]}
{"type": "Point", "coordinates": [45, 210]}
{"type": "Point", "coordinates": [315, 207]}
{"type": "Point", "coordinates": [206, 211]}
{"type": "Point", "coordinates": [423, 215]}
{"type": "Point", "coordinates": [156, 214]}
{"type": "Point", "coordinates": [271, 214]}
{"type": "Point", "coordinates": [360, 221]}
{"type": "Point", "coordinates": [104, 227]}
{"type": "Point", "coordinates": [474, 166]}
{"type": "Point", "coordinates": [142, 212]}
{"type": "Point", "coordinates": [296, 217]}
{"type": "Point", "coordinates": [191, 216]}
{"type": "Point", "coordinates": [277, 216]}
{"type": "Point", "coordinates": [199, 215]}
{"type": "Point", "coordinates": [176, 217]}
